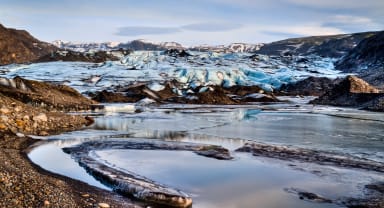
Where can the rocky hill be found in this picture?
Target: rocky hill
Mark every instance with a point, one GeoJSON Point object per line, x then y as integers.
{"type": "Point", "coordinates": [333, 46]}
{"type": "Point", "coordinates": [18, 46]}
{"type": "Point", "coordinates": [366, 59]}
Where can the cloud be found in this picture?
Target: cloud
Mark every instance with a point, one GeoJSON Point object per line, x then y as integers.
{"type": "Point", "coordinates": [281, 34]}
{"type": "Point", "coordinates": [339, 4]}
{"type": "Point", "coordinates": [212, 27]}
{"type": "Point", "coordinates": [303, 30]}
{"type": "Point", "coordinates": [143, 30]}
{"type": "Point", "coordinates": [199, 27]}
{"type": "Point", "coordinates": [350, 23]}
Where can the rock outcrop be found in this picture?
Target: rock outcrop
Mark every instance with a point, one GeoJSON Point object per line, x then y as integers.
{"type": "Point", "coordinates": [352, 92]}
{"type": "Point", "coordinates": [18, 46]}
{"type": "Point", "coordinates": [311, 86]}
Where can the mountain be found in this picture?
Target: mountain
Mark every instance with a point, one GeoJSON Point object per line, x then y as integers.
{"type": "Point", "coordinates": [332, 46]}
{"type": "Point", "coordinates": [136, 45]}
{"type": "Point", "coordinates": [231, 48]}
{"type": "Point", "coordinates": [366, 59]}
{"type": "Point", "coordinates": [18, 46]}
{"type": "Point", "coordinates": [145, 45]}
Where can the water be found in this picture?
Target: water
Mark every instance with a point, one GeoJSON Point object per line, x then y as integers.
{"type": "Point", "coordinates": [246, 181]}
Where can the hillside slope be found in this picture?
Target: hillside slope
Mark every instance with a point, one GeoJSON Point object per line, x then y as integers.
{"type": "Point", "coordinates": [18, 46]}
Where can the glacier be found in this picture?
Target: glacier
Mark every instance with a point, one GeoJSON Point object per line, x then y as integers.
{"type": "Point", "coordinates": [191, 69]}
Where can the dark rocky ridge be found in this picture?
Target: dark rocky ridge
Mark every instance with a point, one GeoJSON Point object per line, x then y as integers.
{"type": "Point", "coordinates": [311, 86]}
{"type": "Point", "coordinates": [366, 59]}
{"type": "Point", "coordinates": [18, 46]}
{"type": "Point", "coordinates": [96, 57]}
{"type": "Point", "coordinates": [334, 46]}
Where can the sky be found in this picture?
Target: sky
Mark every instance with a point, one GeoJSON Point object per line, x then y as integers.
{"type": "Point", "coordinates": [190, 22]}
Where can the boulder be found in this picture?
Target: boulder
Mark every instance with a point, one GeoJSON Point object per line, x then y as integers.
{"type": "Point", "coordinates": [351, 91]}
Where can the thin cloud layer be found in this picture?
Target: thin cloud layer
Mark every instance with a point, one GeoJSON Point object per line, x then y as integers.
{"type": "Point", "coordinates": [191, 22]}
{"type": "Point", "coordinates": [212, 27]}
{"type": "Point", "coordinates": [138, 30]}
{"type": "Point", "coordinates": [200, 27]}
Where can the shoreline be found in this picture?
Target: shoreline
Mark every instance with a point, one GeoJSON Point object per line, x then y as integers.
{"type": "Point", "coordinates": [25, 184]}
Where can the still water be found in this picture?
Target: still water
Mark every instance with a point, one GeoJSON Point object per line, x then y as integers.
{"type": "Point", "coordinates": [246, 181]}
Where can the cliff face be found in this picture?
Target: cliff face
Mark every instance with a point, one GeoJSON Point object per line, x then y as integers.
{"type": "Point", "coordinates": [18, 46]}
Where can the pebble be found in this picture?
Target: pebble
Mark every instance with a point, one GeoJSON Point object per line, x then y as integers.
{"type": "Point", "coordinates": [42, 117]}
{"type": "Point", "coordinates": [18, 134]}
{"type": "Point", "coordinates": [4, 118]}
{"type": "Point", "coordinates": [103, 205]}
{"type": "Point", "coordinates": [46, 203]}
{"type": "Point", "coordinates": [4, 110]}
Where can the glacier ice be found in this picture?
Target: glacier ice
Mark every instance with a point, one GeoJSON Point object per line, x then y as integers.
{"type": "Point", "coordinates": [199, 69]}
